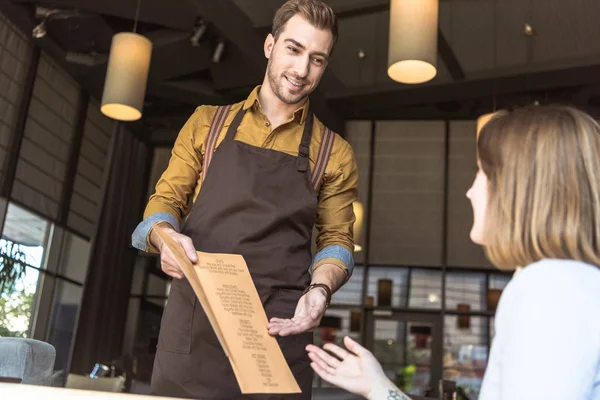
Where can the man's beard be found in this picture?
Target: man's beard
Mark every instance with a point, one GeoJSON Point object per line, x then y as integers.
{"type": "Point", "coordinates": [281, 93]}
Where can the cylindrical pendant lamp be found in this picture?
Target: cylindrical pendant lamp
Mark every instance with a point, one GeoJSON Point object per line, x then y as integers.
{"type": "Point", "coordinates": [412, 52]}
{"type": "Point", "coordinates": [126, 76]}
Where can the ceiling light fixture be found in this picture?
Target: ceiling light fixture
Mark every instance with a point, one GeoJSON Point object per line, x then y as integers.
{"type": "Point", "coordinates": [528, 30]}
{"type": "Point", "coordinates": [219, 49]}
{"type": "Point", "coordinates": [39, 31]}
{"type": "Point", "coordinates": [127, 75]}
{"type": "Point", "coordinates": [198, 32]}
{"type": "Point", "coordinates": [413, 38]}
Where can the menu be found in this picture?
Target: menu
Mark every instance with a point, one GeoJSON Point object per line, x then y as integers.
{"type": "Point", "coordinates": [229, 298]}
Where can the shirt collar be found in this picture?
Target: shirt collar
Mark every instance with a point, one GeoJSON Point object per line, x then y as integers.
{"type": "Point", "coordinates": [253, 100]}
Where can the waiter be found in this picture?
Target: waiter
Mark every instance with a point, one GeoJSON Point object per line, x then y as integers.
{"type": "Point", "coordinates": [261, 174]}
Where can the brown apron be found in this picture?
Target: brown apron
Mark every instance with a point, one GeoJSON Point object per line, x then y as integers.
{"type": "Point", "coordinates": [262, 204]}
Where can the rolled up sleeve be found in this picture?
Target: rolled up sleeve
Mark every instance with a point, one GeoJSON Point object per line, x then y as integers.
{"type": "Point", "coordinates": [335, 214]}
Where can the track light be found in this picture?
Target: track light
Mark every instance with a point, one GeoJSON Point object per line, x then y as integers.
{"type": "Point", "coordinates": [198, 32]}
{"type": "Point", "coordinates": [39, 31]}
{"type": "Point", "coordinates": [218, 54]}
{"type": "Point", "coordinates": [46, 14]}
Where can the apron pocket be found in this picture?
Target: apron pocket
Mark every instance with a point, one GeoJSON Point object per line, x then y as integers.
{"type": "Point", "coordinates": [176, 326]}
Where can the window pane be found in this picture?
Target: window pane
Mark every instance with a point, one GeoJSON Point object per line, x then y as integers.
{"type": "Point", "coordinates": [17, 305]}
{"type": "Point", "coordinates": [336, 324]}
{"type": "Point", "coordinates": [388, 284]}
{"type": "Point", "coordinates": [425, 289]}
{"type": "Point", "coordinates": [465, 290]}
{"type": "Point", "coordinates": [388, 345]}
{"type": "Point", "coordinates": [28, 230]}
{"type": "Point", "coordinates": [465, 352]}
{"type": "Point", "coordinates": [21, 247]}
{"type": "Point", "coordinates": [74, 257]}
{"type": "Point", "coordinates": [499, 281]}
{"type": "Point", "coordinates": [67, 300]}
{"type": "Point", "coordinates": [351, 292]}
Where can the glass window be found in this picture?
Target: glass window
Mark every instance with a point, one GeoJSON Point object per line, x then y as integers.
{"type": "Point", "coordinates": [387, 286]}
{"type": "Point", "coordinates": [426, 289]}
{"type": "Point", "coordinates": [498, 281]}
{"type": "Point", "coordinates": [465, 291]}
{"type": "Point", "coordinates": [17, 304]}
{"type": "Point", "coordinates": [22, 246]}
{"type": "Point", "coordinates": [389, 344]}
{"type": "Point", "coordinates": [67, 300]}
{"type": "Point", "coordinates": [466, 351]}
{"type": "Point", "coordinates": [75, 255]}
{"type": "Point", "coordinates": [351, 292]}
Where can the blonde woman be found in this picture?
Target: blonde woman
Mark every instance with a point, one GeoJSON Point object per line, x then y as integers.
{"type": "Point", "coordinates": [536, 205]}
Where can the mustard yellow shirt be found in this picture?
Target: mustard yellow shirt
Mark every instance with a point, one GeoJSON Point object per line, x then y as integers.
{"type": "Point", "coordinates": [181, 182]}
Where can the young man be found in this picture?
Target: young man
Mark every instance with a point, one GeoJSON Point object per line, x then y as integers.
{"type": "Point", "coordinates": [275, 172]}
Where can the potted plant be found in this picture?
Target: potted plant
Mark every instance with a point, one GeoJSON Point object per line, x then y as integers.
{"type": "Point", "coordinates": [12, 265]}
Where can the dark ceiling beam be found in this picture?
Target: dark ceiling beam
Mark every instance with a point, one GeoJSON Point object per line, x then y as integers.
{"type": "Point", "coordinates": [167, 45]}
{"type": "Point", "coordinates": [237, 29]}
{"type": "Point", "coordinates": [449, 58]}
{"type": "Point", "coordinates": [177, 57]}
{"type": "Point", "coordinates": [364, 9]}
{"type": "Point", "coordinates": [386, 99]}
{"type": "Point", "coordinates": [175, 94]}
{"type": "Point", "coordinates": [180, 15]}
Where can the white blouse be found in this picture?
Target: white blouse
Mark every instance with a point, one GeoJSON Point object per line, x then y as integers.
{"type": "Point", "coordinates": [547, 335]}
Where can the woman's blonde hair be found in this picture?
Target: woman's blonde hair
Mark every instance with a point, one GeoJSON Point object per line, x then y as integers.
{"type": "Point", "coordinates": [543, 170]}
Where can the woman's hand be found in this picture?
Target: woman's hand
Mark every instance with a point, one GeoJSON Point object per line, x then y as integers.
{"type": "Point", "coordinates": [356, 370]}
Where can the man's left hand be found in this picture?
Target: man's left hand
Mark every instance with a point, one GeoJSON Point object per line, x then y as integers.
{"type": "Point", "coordinates": [309, 311]}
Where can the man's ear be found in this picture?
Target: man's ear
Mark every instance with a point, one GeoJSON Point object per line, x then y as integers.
{"type": "Point", "coordinates": [269, 43]}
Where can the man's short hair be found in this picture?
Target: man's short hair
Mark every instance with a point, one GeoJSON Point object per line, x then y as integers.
{"type": "Point", "coordinates": [317, 12]}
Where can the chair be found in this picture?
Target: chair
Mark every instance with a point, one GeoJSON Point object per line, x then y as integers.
{"type": "Point", "coordinates": [115, 385]}
{"type": "Point", "coordinates": [30, 360]}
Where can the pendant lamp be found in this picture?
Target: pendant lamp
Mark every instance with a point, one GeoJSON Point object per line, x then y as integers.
{"type": "Point", "coordinates": [413, 37]}
{"type": "Point", "coordinates": [127, 75]}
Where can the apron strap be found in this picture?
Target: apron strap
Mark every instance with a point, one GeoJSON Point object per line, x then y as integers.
{"type": "Point", "coordinates": [303, 150]}
{"type": "Point", "coordinates": [213, 134]}
{"type": "Point", "coordinates": [322, 158]}
{"type": "Point", "coordinates": [302, 162]}
{"type": "Point", "coordinates": [235, 124]}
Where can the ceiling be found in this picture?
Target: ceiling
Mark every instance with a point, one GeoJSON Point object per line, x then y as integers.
{"type": "Point", "coordinates": [484, 58]}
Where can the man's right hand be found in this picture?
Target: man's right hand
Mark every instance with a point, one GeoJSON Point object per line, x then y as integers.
{"type": "Point", "coordinates": [168, 263]}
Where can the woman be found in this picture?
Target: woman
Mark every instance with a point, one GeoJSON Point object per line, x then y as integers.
{"type": "Point", "coordinates": [536, 204]}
